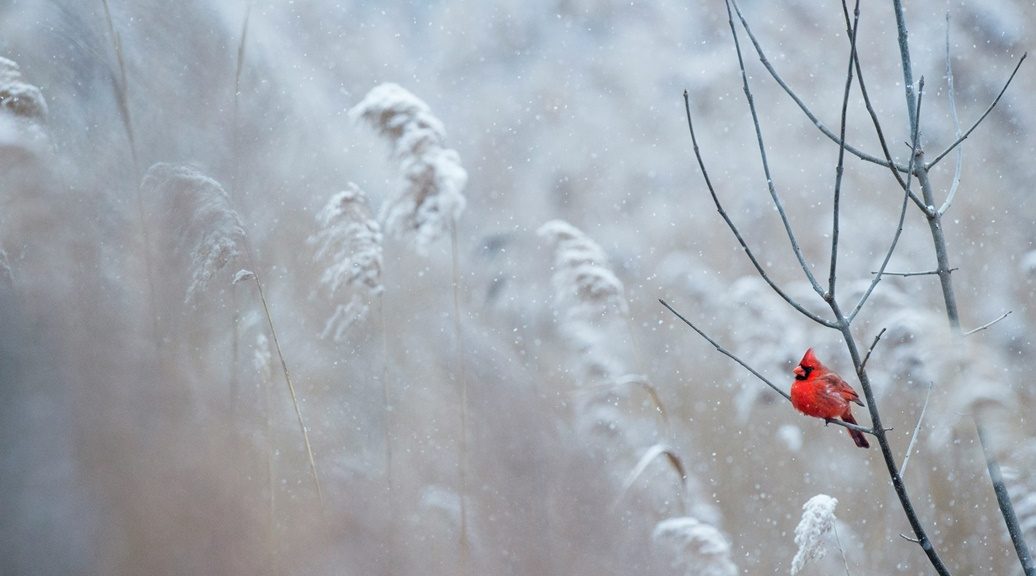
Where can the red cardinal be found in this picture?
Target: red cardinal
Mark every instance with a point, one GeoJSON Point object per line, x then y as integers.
{"type": "Point", "coordinates": [820, 392]}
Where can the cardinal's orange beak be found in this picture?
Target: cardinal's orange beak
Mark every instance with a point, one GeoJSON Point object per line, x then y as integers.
{"type": "Point", "coordinates": [799, 371]}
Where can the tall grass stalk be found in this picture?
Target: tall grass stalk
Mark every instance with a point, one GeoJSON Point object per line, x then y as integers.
{"type": "Point", "coordinates": [291, 388]}
{"type": "Point", "coordinates": [121, 88]}
{"type": "Point", "coordinates": [462, 377]}
{"type": "Point", "coordinates": [271, 484]}
{"type": "Point", "coordinates": [238, 68]}
{"type": "Point", "coordinates": [389, 438]}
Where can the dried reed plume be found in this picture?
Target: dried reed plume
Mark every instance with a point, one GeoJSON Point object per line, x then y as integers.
{"type": "Point", "coordinates": [431, 198]}
{"type": "Point", "coordinates": [694, 547]}
{"type": "Point", "coordinates": [22, 110]}
{"type": "Point", "coordinates": [818, 518]}
{"type": "Point", "coordinates": [19, 97]}
{"type": "Point", "coordinates": [349, 242]}
{"type": "Point", "coordinates": [587, 292]}
{"type": "Point", "coordinates": [208, 230]}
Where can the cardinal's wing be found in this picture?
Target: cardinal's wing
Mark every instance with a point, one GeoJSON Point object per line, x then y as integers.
{"type": "Point", "coordinates": [841, 387]}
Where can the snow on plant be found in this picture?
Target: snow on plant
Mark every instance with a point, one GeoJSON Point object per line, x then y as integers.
{"type": "Point", "coordinates": [588, 294]}
{"type": "Point", "coordinates": [431, 197]}
{"type": "Point", "coordinates": [818, 518]}
{"type": "Point", "coordinates": [207, 229]}
{"type": "Point", "coordinates": [349, 241]}
{"type": "Point", "coordinates": [6, 277]}
{"type": "Point", "coordinates": [694, 547]}
{"type": "Point", "coordinates": [19, 97]}
{"type": "Point", "coordinates": [22, 110]}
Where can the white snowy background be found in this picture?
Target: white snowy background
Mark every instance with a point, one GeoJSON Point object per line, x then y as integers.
{"type": "Point", "coordinates": [142, 433]}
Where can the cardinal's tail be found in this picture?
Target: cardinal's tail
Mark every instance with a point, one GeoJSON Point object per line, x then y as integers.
{"type": "Point", "coordinates": [858, 437]}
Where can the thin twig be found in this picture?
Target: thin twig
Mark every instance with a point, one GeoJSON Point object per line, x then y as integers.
{"type": "Point", "coordinates": [726, 353]}
{"type": "Point", "coordinates": [802, 105]}
{"type": "Point", "coordinates": [733, 228]}
{"type": "Point", "coordinates": [840, 168]}
{"type": "Point", "coordinates": [917, 430]}
{"type": "Point", "coordinates": [988, 324]}
{"type": "Point", "coordinates": [766, 164]}
{"type": "Point", "coordinates": [1006, 508]}
{"type": "Point", "coordinates": [952, 94]}
{"type": "Point", "coordinates": [879, 131]}
{"type": "Point", "coordinates": [851, 426]}
{"type": "Point", "coordinates": [981, 118]}
{"type": "Point", "coordinates": [905, 61]}
{"type": "Point", "coordinates": [909, 274]}
{"type": "Point", "coordinates": [871, 349]}
{"type": "Point", "coordinates": [902, 217]}
{"type": "Point", "coordinates": [909, 539]}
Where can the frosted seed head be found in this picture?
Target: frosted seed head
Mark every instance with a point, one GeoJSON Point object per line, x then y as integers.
{"type": "Point", "coordinates": [431, 196]}
{"type": "Point", "coordinates": [694, 547]}
{"type": "Point", "coordinates": [207, 230]}
{"type": "Point", "coordinates": [818, 518]}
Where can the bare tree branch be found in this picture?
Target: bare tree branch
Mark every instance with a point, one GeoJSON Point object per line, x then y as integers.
{"type": "Point", "coordinates": [952, 94]}
{"type": "Point", "coordinates": [733, 228]}
{"type": "Point", "coordinates": [802, 105]}
{"type": "Point", "coordinates": [904, 184]}
{"type": "Point", "coordinates": [871, 349]}
{"type": "Point", "coordinates": [988, 324]}
{"type": "Point", "coordinates": [726, 352]}
{"type": "Point", "coordinates": [913, 439]}
{"type": "Point", "coordinates": [840, 168]}
{"type": "Point", "coordinates": [766, 164]}
{"type": "Point", "coordinates": [899, 226]}
{"type": "Point", "coordinates": [909, 274]}
{"type": "Point", "coordinates": [980, 118]}
{"type": "Point", "coordinates": [1006, 508]}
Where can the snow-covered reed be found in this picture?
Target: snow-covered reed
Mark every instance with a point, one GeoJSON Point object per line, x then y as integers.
{"type": "Point", "coordinates": [208, 231]}
{"type": "Point", "coordinates": [23, 110]}
{"type": "Point", "coordinates": [818, 519]}
{"type": "Point", "coordinates": [348, 242]}
{"type": "Point", "coordinates": [587, 293]}
{"type": "Point", "coordinates": [17, 96]}
{"type": "Point", "coordinates": [431, 197]}
{"type": "Point", "coordinates": [694, 547]}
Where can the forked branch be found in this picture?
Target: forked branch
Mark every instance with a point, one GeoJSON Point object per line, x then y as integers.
{"type": "Point", "coordinates": [733, 228]}
{"type": "Point", "coordinates": [801, 104]}
{"type": "Point", "coordinates": [980, 118]}
{"type": "Point", "coordinates": [951, 94]}
{"type": "Point", "coordinates": [777, 202]}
